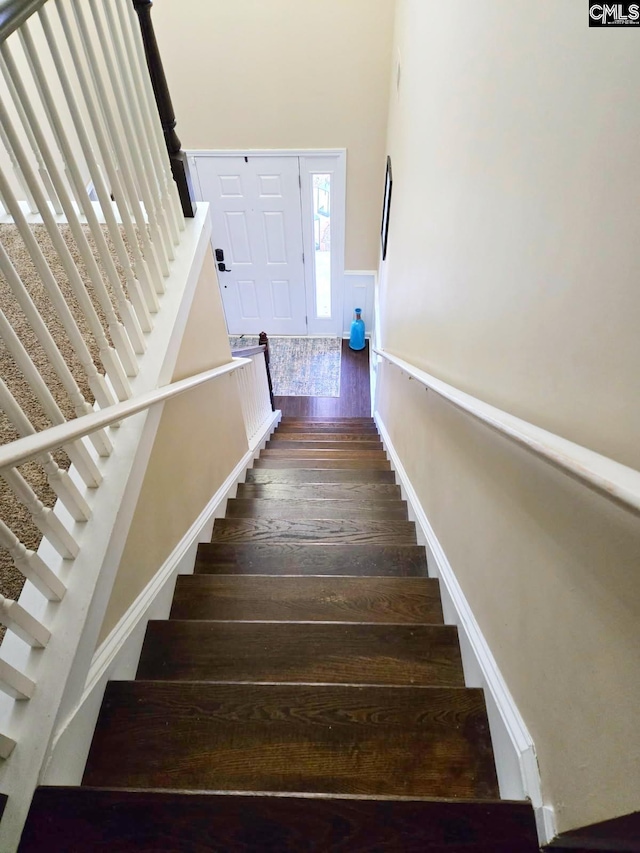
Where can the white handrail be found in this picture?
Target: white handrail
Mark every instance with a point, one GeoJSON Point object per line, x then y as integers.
{"type": "Point", "coordinates": [31, 446]}
{"type": "Point", "coordinates": [618, 482]}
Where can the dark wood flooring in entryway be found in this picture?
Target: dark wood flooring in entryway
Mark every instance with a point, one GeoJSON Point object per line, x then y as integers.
{"type": "Point", "coordinates": [354, 400]}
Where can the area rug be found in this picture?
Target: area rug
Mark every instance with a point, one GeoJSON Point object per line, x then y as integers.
{"type": "Point", "coordinates": [301, 367]}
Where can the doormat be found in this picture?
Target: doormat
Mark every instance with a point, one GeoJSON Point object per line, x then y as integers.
{"type": "Point", "coordinates": [301, 367]}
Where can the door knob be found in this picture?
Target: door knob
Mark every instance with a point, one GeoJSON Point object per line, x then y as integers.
{"type": "Point", "coordinates": [219, 254]}
{"type": "Point", "coordinates": [223, 267]}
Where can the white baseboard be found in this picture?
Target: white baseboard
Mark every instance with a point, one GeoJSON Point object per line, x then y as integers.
{"type": "Point", "coordinates": [514, 750]}
{"type": "Point", "coordinates": [118, 655]}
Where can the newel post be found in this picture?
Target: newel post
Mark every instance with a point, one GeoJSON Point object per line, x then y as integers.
{"type": "Point", "coordinates": [263, 340]}
{"type": "Point", "coordinates": [178, 158]}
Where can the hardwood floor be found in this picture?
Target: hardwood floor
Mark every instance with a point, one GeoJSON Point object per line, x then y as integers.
{"type": "Point", "coordinates": [354, 400]}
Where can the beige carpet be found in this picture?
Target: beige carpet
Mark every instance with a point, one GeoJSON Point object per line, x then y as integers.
{"type": "Point", "coordinates": [13, 513]}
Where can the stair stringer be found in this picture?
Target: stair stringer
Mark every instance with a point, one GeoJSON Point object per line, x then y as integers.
{"type": "Point", "coordinates": [118, 655]}
{"type": "Point", "coordinates": [514, 749]}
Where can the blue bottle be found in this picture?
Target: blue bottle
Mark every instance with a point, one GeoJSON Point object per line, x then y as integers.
{"type": "Point", "coordinates": [356, 339]}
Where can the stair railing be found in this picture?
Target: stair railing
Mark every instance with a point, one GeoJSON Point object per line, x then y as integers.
{"type": "Point", "coordinates": [603, 475]}
{"type": "Point", "coordinates": [256, 390]}
{"type": "Point", "coordinates": [88, 195]}
{"type": "Point", "coordinates": [47, 579]}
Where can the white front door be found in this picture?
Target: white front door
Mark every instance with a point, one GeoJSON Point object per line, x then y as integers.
{"type": "Point", "coordinates": [257, 235]}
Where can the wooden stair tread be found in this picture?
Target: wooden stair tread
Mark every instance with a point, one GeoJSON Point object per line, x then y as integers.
{"type": "Point", "coordinates": [324, 739]}
{"type": "Point", "coordinates": [317, 419]}
{"type": "Point", "coordinates": [331, 652]}
{"type": "Point", "coordinates": [340, 599]}
{"type": "Point", "coordinates": [294, 430]}
{"type": "Point", "coordinates": [282, 445]}
{"type": "Point", "coordinates": [316, 508]}
{"type": "Point", "coordinates": [313, 530]}
{"type": "Point", "coordinates": [319, 491]}
{"type": "Point", "coordinates": [104, 820]}
{"type": "Point", "coordinates": [369, 464]}
{"type": "Point", "coordinates": [312, 559]}
{"type": "Point", "coordinates": [318, 475]}
{"type": "Point", "coordinates": [376, 454]}
{"type": "Point", "coordinates": [303, 439]}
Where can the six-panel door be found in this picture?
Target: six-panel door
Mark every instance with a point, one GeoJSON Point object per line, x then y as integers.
{"type": "Point", "coordinates": [255, 209]}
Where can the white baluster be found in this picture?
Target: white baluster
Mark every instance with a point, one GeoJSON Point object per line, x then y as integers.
{"type": "Point", "coordinates": [14, 683]}
{"type": "Point", "coordinates": [59, 480]}
{"type": "Point", "coordinates": [115, 136]}
{"type": "Point", "coordinates": [133, 285]}
{"type": "Point", "coordinates": [134, 29]}
{"type": "Point", "coordinates": [17, 619]}
{"type": "Point", "coordinates": [31, 565]}
{"type": "Point", "coordinates": [130, 336]}
{"type": "Point", "coordinates": [42, 169]}
{"type": "Point", "coordinates": [96, 382]}
{"type": "Point", "coordinates": [251, 376]}
{"type": "Point", "coordinates": [44, 519]}
{"type": "Point", "coordinates": [142, 272]}
{"type": "Point", "coordinates": [151, 119]}
{"type": "Point", "coordinates": [134, 99]}
{"type": "Point", "coordinates": [18, 173]}
{"type": "Point", "coordinates": [77, 451]}
{"type": "Point", "coordinates": [126, 114]}
{"type": "Point", "coordinates": [121, 360]}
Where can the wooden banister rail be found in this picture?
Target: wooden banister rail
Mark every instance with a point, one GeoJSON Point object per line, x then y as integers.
{"type": "Point", "coordinates": [178, 158]}
{"type": "Point", "coordinates": [245, 352]}
{"type": "Point", "coordinates": [13, 14]}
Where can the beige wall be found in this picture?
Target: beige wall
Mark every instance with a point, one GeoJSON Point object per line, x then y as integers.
{"type": "Point", "coordinates": [513, 273]}
{"type": "Point", "coordinates": [287, 74]}
{"type": "Point", "coordinates": [201, 438]}
{"type": "Point", "coordinates": [513, 268]}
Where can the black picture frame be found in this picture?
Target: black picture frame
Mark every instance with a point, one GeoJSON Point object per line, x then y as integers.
{"type": "Point", "coordinates": [386, 208]}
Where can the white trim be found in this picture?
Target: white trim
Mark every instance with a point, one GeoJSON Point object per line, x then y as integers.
{"type": "Point", "coordinates": [514, 749]}
{"type": "Point", "coordinates": [265, 152]}
{"type": "Point", "coordinates": [336, 166]}
{"type": "Point", "coordinates": [117, 656]}
{"type": "Point", "coordinates": [617, 482]}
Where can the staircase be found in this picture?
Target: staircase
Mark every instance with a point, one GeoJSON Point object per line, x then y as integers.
{"type": "Point", "coordinates": [305, 694]}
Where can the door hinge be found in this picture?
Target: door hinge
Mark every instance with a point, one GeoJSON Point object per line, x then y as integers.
{"type": "Point", "coordinates": [303, 257]}
{"type": "Point", "coordinates": [299, 180]}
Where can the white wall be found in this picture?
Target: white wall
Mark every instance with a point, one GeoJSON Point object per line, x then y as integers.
{"type": "Point", "coordinates": [512, 272]}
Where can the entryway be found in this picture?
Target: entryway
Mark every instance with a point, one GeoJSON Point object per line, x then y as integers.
{"type": "Point", "coordinates": [278, 236]}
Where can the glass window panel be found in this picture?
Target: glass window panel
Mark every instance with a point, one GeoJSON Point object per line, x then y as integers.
{"type": "Point", "coordinates": [322, 236]}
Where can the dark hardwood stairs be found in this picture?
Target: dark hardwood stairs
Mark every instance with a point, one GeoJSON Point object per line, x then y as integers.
{"type": "Point", "coordinates": [305, 693]}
